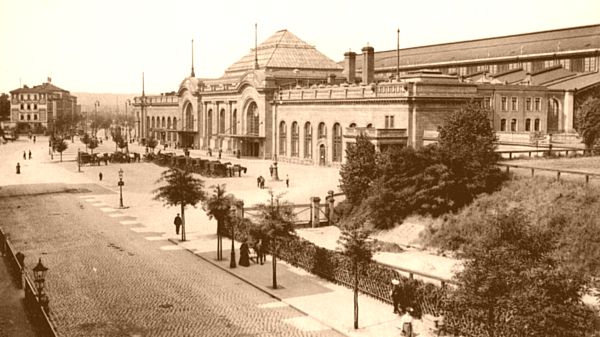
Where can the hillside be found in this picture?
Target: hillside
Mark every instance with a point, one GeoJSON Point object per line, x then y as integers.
{"type": "Point", "coordinates": [108, 102]}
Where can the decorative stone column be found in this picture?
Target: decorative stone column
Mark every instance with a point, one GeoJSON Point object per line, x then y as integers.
{"type": "Point", "coordinates": [329, 207]}
{"type": "Point", "coordinates": [315, 211]}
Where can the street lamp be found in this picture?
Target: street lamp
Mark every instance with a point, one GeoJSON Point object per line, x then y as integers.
{"type": "Point", "coordinates": [39, 277]}
{"type": "Point", "coordinates": [232, 211]}
{"type": "Point", "coordinates": [78, 160]}
{"type": "Point", "coordinates": [121, 183]}
{"type": "Point", "coordinates": [95, 121]}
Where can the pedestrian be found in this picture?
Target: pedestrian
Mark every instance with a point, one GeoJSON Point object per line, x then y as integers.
{"type": "Point", "coordinates": [209, 152]}
{"type": "Point", "coordinates": [262, 182]}
{"type": "Point", "coordinates": [29, 154]}
{"type": "Point", "coordinates": [100, 176]}
{"type": "Point", "coordinates": [18, 168]}
{"type": "Point", "coordinates": [271, 170]}
{"type": "Point", "coordinates": [33, 139]}
{"type": "Point", "coordinates": [395, 293]}
{"type": "Point", "coordinates": [258, 182]}
{"type": "Point", "coordinates": [244, 255]}
{"type": "Point", "coordinates": [177, 223]}
{"type": "Point", "coordinates": [287, 180]}
{"type": "Point", "coordinates": [260, 251]}
{"type": "Point", "coordinates": [406, 323]}
{"type": "Point", "coordinates": [24, 155]}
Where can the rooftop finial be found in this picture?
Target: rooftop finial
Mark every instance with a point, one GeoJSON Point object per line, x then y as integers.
{"type": "Point", "coordinates": [255, 46]}
{"type": "Point", "coordinates": [193, 75]}
{"type": "Point", "coordinates": [143, 94]}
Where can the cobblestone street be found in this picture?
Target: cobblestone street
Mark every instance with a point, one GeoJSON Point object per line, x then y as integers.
{"type": "Point", "coordinates": [107, 280]}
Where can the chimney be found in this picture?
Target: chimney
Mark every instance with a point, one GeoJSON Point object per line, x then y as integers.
{"type": "Point", "coordinates": [350, 66]}
{"type": "Point", "coordinates": [368, 67]}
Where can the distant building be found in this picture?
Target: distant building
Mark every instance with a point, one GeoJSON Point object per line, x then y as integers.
{"type": "Point", "coordinates": [287, 101]}
{"type": "Point", "coordinates": [38, 107]}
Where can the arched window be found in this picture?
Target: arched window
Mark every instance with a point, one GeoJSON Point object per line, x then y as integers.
{"type": "Point", "coordinates": [337, 143]}
{"type": "Point", "coordinates": [513, 125]}
{"type": "Point", "coordinates": [168, 122]}
{"type": "Point", "coordinates": [282, 138]}
{"type": "Point", "coordinates": [528, 124]}
{"type": "Point", "coordinates": [222, 121]}
{"type": "Point", "coordinates": [295, 139]}
{"type": "Point", "coordinates": [163, 123]}
{"type": "Point", "coordinates": [503, 125]}
{"type": "Point", "coordinates": [189, 118]}
{"type": "Point", "coordinates": [175, 123]}
{"type": "Point", "coordinates": [234, 122]}
{"type": "Point", "coordinates": [209, 124]}
{"type": "Point", "coordinates": [307, 140]}
{"type": "Point", "coordinates": [252, 119]}
{"type": "Point", "coordinates": [352, 125]}
{"type": "Point", "coordinates": [536, 124]}
{"type": "Point", "coordinates": [369, 126]}
{"type": "Point", "coordinates": [322, 130]}
{"type": "Point", "coordinates": [153, 122]}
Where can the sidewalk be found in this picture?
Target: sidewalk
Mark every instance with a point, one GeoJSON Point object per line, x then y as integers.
{"type": "Point", "coordinates": [330, 304]}
{"type": "Point", "coordinates": [13, 318]}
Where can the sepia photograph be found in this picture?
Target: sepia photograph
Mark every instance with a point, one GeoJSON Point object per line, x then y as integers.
{"type": "Point", "coordinates": [308, 169]}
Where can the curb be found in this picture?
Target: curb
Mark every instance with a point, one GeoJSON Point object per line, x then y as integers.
{"type": "Point", "coordinates": [264, 290]}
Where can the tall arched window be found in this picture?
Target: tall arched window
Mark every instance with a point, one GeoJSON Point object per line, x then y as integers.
{"type": "Point", "coordinates": [168, 122]}
{"type": "Point", "coordinates": [175, 123]}
{"type": "Point", "coordinates": [222, 121]}
{"type": "Point", "coordinates": [295, 139]}
{"type": "Point", "coordinates": [513, 125]}
{"type": "Point", "coordinates": [528, 124]}
{"type": "Point", "coordinates": [322, 130]}
{"type": "Point", "coordinates": [337, 143]}
{"type": "Point", "coordinates": [153, 122]}
{"type": "Point", "coordinates": [209, 124]}
{"type": "Point", "coordinates": [282, 138]}
{"type": "Point", "coordinates": [503, 124]}
{"type": "Point", "coordinates": [189, 118]}
{"type": "Point", "coordinates": [252, 119]}
{"type": "Point", "coordinates": [536, 124]}
{"type": "Point", "coordinates": [307, 140]}
{"type": "Point", "coordinates": [234, 122]}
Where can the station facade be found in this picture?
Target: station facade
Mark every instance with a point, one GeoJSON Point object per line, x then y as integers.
{"type": "Point", "coordinates": [287, 101]}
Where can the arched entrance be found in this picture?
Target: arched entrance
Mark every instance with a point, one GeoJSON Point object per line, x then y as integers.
{"type": "Point", "coordinates": [322, 155]}
{"type": "Point", "coordinates": [186, 138]}
{"type": "Point", "coordinates": [553, 115]}
{"type": "Point", "coordinates": [251, 143]}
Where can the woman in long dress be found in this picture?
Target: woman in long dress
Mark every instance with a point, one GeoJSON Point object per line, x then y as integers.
{"type": "Point", "coordinates": [244, 255]}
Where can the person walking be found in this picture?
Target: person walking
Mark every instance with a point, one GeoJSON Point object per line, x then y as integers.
{"type": "Point", "coordinates": [29, 154]}
{"type": "Point", "coordinates": [177, 223]}
{"type": "Point", "coordinates": [287, 180]}
{"type": "Point", "coordinates": [100, 176]}
{"type": "Point", "coordinates": [18, 168]}
{"type": "Point", "coordinates": [271, 170]}
{"type": "Point", "coordinates": [258, 182]}
{"type": "Point", "coordinates": [33, 139]}
{"type": "Point", "coordinates": [244, 255]}
{"type": "Point", "coordinates": [407, 323]}
{"type": "Point", "coordinates": [395, 293]}
{"type": "Point", "coordinates": [220, 152]}
{"type": "Point", "coordinates": [24, 155]}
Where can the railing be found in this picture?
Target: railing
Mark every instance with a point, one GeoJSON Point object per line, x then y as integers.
{"type": "Point", "coordinates": [32, 303]}
{"type": "Point", "coordinates": [558, 172]}
{"type": "Point", "coordinates": [550, 152]}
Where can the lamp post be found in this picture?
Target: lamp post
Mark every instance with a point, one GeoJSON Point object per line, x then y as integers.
{"type": "Point", "coordinates": [232, 210]}
{"type": "Point", "coordinates": [120, 184]}
{"type": "Point", "coordinates": [39, 276]}
{"type": "Point", "coordinates": [95, 121]}
{"type": "Point", "coordinates": [128, 130]}
{"type": "Point", "coordinates": [78, 160]}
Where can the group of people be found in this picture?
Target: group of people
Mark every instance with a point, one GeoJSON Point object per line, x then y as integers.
{"type": "Point", "coordinates": [25, 155]}
{"type": "Point", "coordinates": [259, 248]}
{"type": "Point", "coordinates": [260, 182]}
{"type": "Point", "coordinates": [402, 308]}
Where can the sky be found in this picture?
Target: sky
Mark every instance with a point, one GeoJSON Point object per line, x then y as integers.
{"type": "Point", "coordinates": [104, 46]}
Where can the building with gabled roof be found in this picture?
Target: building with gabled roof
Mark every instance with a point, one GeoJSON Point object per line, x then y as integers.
{"type": "Point", "coordinates": [37, 108]}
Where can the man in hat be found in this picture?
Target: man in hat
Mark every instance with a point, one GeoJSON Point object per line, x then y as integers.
{"type": "Point", "coordinates": [395, 293]}
{"type": "Point", "coordinates": [177, 222]}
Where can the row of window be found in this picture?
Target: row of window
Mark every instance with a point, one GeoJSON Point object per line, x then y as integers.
{"type": "Point", "coordinates": [29, 106]}
{"type": "Point", "coordinates": [28, 97]}
{"type": "Point", "coordinates": [164, 123]}
{"type": "Point", "coordinates": [336, 144]}
{"type": "Point", "coordinates": [580, 64]}
{"type": "Point", "coordinates": [29, 117]}
{"type": "Point", "coordinates": [514, 125]}
{"type": "Point", "coordinates": [531, 104]}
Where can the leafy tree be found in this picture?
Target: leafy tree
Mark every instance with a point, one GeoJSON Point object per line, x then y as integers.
{"type": "Point", "coordinates": [86, 140]}
{"type": "Point", "coordinates": [466, 141]}
{"type": "Point", "coordinates": [513, 285]}
{"type": "Point", "coordinates": [93, 143]}
{"type": "Point", "coordinates": [359, 170]}
{"type": "Point", "coordinates": [152, 143]}
{"type": "Point", "coordinates": [588, 122]}
{"type": "Point", "coordinates": [119, 141]}
{"type": "Point", "coordinates": [181, 189]}
{"type": "Point", "coordinates": [275, 224]}
{"type": "Point", "coordinates": [219, 206]}
{"type": "Point", "coordinates": [357, 245]}
{"type": "Point", "coordinates": [59, 146]}
{"type": "Point", "coordinates": [4, 106]}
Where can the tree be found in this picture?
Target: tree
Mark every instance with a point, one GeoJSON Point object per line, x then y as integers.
{"type": "Point", "coordinates": [93, 143]}
{"type": "Point", "coordinates": [513, 284]}
{"type": "Point", "coordinates": [181, 189]}
{"type": "Point", "coordinates": [59, 146]}
{"type": "Point", "coordinates": [119, 141]}
{"type": "Point", "coordinates": [467, 144]}
{"type": "Point", "coordinates": [4, 106]}
{"type": "Point", "coordinates": [275, 224]}
{"type": "Point", "coordinates": [86, 140]}
{"type": "Point", "coordinates": [152, 142]}
{"type": "Point", "coordinates": [359, 170]}
{"type": "Point", "coordinates": [219, 206]}
{"type": "Point", "coordinates": [588, 122]}
{"type": "Point", "coordinates": [359, 248]}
